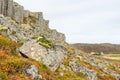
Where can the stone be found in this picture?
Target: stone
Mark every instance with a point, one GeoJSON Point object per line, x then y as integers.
{"type": "Point", "coordinates": [117, 77]}
{"type": "Point", "coordinates": [62, 67]}
{"type": "Point", "coordinates": [32, 71]}
{"type": "Point", "coordinates": [51, 57]}
{"type": "Point", "coordinates": [26, 13]}
{"type": "Point", "coordinates": [91, 75]}
{"type": "Point", "coordinates": [57, 40]}
{"type": "Point", "coordinates": [55, 57]}
{"type": "Point", "coordinates": [10, 12]}
{"type": "Point", "coordinates": [37, 25]}
{"type": "Point", "coordinates": [33, 50]}
{"type": "Point", "coordinates": [15, 19]}
{"type": "Point", "coordinates": [18, 12]}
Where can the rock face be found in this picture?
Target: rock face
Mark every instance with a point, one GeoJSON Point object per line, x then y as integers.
{"type": "Point", "coordinates": [26, 27]}
{"type": "Point", "coordinates": [11, 9]}
{"type": "Point", "coordinates": [32, 23]}
{"type": "Point", "coordinates": [51, 57]}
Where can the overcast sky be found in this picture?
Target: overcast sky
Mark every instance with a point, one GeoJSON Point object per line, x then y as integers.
{"type": "Point", "coordinates": [82, 21]}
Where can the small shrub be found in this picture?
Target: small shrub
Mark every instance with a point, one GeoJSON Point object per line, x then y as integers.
{"type": "Point", "coordinates": [8, 45]}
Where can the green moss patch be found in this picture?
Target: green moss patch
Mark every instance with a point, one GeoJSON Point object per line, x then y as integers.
{"type": "Point", "coordinates": [45, 43]}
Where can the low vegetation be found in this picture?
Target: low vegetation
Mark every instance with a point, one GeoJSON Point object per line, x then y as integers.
{"type": "Point", "coordinates": [70, 50]}
{"type": "Point", "coordinates": [7, 45]}
{"type": "Point", "coordinates": [45, 43]}
{"type": "Point", "coordinates": [12, 66]}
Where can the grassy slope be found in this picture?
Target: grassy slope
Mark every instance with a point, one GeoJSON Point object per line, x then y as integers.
{"type": "Point", "coordinates": [99, 71]}
{"type": "Point", "coordinates": [12, 65]}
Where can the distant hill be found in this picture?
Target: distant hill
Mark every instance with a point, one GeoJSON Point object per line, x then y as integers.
{"type": "Point", "coordinates": [105, 47]}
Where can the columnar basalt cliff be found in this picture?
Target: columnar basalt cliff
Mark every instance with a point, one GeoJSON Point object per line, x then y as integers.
{"type": "Point", "coordinates": [32, 23]}
{"type": "Point", "coordinates": [32, 30]}
{"type": "Point", "coordinates": [11, 9]}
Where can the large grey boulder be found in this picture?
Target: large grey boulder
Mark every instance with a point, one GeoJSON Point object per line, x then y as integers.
{"type": "Point", "coordinates": [33, 50]}
{"type": "Point", "coordinates": [51, 57]}
{"type": "Point", "coordinates": [54, 58]}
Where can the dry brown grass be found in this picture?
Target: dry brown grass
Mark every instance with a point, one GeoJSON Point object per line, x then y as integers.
{"type": "Point", "coordinates": [7, 45]}
{"type": "Point", "coordinates": [12, 66]}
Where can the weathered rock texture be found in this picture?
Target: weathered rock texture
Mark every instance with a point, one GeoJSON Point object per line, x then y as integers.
{"type": "Point", "coordinates": [32, 23]}
{"type": "Point", "coordinates": [92, 75]}
{"type": "Point", "coordinates": [31, 70]}
{"type": "Point", "coordinates": [51, 57]}
{"type": "Point", "coordinates": [11, 9]}
{"type": "Point", "coordinates": [94, 68]}
{"type": "Point", "coordinates": [27, 27]}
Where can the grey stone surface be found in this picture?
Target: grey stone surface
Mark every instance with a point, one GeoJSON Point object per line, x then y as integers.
{"type": "Point", "coordinates": [91, 75]}
{"type": "Point", "coordinates": [51, 57]}
{"type": "Point", "coordinates": [102, 65]}
{"type": "Point", "coordinates": [33, 20]}
{"type": "Point", "coordinates": [54, 58]}
{"type": "Point", "coordinates": [22, 25]}
{"type": "Point", "coordinates": [18, 12]}
{"type": "Point", "coordinates": [31, 70]}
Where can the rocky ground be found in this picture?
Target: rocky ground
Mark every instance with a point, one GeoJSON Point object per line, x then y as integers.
{"type": "Point", "coordinates": [95, 68]}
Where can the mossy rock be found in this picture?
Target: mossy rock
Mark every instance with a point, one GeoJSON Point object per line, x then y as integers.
{"type": "Point", "coordinates": [3, 28]}
{"type": "Point", "coordinates": [34, 37]}
{"type": "Point", "coordinates": [45, 43]}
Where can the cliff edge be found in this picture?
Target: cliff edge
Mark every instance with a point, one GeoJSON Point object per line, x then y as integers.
{"type": "Point", "coordinates": [27, 24]}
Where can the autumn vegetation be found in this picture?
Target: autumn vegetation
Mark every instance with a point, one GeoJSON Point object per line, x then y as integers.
{"type": "Point", "coordinates": [12, 65]}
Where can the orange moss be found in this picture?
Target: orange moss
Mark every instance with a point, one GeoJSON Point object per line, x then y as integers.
{"type": "Point", "coordinates": [71, 50]}
{"type": "Point", "coordinates": [106, 77]}
{"type": "Point", "coordinates": [7, 45]}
